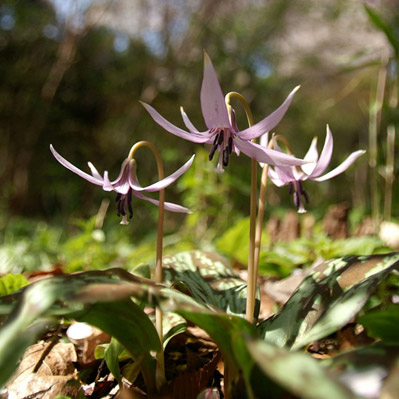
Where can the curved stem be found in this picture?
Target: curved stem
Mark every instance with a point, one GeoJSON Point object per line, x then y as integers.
{"type": "Point", "coordinates": [252, 274]}
{"type": "Point", "coordinates": [158, 263]}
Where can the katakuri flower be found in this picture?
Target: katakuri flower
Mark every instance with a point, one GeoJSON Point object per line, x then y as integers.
{"type": "Point", "coordinates": [222, 132]}
{"type": "Point", "coordinates": [126, 185]}
{"type": "Point", "coordinates": [312, 170]}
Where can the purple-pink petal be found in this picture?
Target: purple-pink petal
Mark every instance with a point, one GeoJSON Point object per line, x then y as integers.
{"type": "Point", "coordinates": [167, 205]}
{"type": "Point", "coordinates": [325, 156]}
{"type": "Point", "coordinates": [94, 171]}
{"type": "Point", "coordinates": [268, 123]}
{"type": "Point", "coordinates": [276, 179]}
{"type": "Point", "coordinates": [200, 137]}
{"type": "Point", "coordinates": [107, 186]}
{"type": "Point", "coordinates": [74, 169]}
{"type": "Point", "coordinates": [213, 106]}
{"type": "Point", "coordinates": [341, 168]}
{"type": "Point", "coordinates": [135, 185]}
{"type": "Point", "coordinates": [187, 122]}
{"type": "Point", "coordinates": [266, 155]}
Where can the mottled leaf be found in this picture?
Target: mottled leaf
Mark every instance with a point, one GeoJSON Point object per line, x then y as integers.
{"type": "Point", "coordinates": [298, 372]}
{"type": "Point", "coordinates": [364, 369]}
{"type": "Point", "coordinates": [327, 299]}
{"type": "Point", "coordinates": [209, 279]}
{"type": "Point", "coordinates": [98, 298]}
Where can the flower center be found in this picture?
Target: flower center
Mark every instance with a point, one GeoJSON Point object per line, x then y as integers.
{"type": "Point", "coordinates": [224, 143]}
{"type": "Point", "coordinates": [124, 203]}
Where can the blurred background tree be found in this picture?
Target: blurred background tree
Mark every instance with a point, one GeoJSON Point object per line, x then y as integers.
{"type": "Point", "coordinates": [72, 72]}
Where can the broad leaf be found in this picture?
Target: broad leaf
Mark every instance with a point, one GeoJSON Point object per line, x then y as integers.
{"type": "Point", "coordinates": [383, 324]}
{"type": "Point", "coordinates": [327, 299]}
{"type": "Point", "coordinates": [365, 369]}
{"type": "Point", "coordinates": [94, 297]}
{"type": "Point", "coordinates": [11, 283]}
{"type": "Point", "coordinates": [298, 372]}
{"type": "Point", "coordinates": [209, 279]}
{"type": "Point", "coordinates": [385, 27]}
{"type": "Point", "coordinates": [111, 356]}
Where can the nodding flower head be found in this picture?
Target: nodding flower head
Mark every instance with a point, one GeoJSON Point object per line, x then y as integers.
{"type": "Point", "coordinates": [126, 185]}
{"type": "Point", "coordinates": [311, 170]}
{"type": "Point", "coordinates": [222, 133]}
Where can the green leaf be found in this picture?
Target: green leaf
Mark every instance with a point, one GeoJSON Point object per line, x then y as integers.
{"type": "Point", "coordinates": [365, 369]}
{"type": "Point", "coordinates": [383, 26]}
{"type": "Point", "coordinates": [209, 279]}
{"type": "Point", "coordinates": [15, 337]}
{"type": "Point", "coordinates": [383, 324]}
{"type": "Point", "coordinates": [327, 299]}
{"type": "Point", "coordinates": [234, 241]}
{"type": "Point", "coordinates": [98, 298]}
{"type": "Point", "coordinates": [111, 356]}
{"type": "Point", "coordinates": [11, 283]}
{"type": "Point", "coordinates": [298, 372]}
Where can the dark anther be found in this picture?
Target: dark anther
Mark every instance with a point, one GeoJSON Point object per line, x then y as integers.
{"type": "Point", "coordinates": [290, 188]}
{"type": "Point", "coordinates": [214, 147]}
{"type": "Point", "coordinates": [212, 152]}
{"type": "Point", "coordinates": [118, 197]}
{"type": "Point", "coordinates": [230, 145]}
{"type": "Point", "coordinates": [129, 203]}
{"type": "Point", "coordinates": [221, 137]}
{"type": "Point", "coordinates": [226, 157]}
{"type": "Point", "coordinates": [301, 190]}
{"type": "Point", "coordinates": [296, 199]}
{"type": "Point", "coordinates": [305, 194]}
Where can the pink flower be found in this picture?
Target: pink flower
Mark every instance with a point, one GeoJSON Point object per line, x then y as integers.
{"type": "Point", "coordinates": [126, 185]}
{"type": "Point", "coordinates": [221, 132]}
{"type": "Point", "coordinates": [312, 170]}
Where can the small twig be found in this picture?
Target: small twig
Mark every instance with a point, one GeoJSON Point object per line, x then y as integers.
{"type": "Point", "coordinates": [53, 340]}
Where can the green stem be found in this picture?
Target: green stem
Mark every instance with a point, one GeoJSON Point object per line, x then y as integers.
{"type": "Point", "coordinates": [161, 379]}
{"type": "Point", "coordinates": [252, 274]}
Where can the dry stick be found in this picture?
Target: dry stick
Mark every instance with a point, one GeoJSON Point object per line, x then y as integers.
{"type": "Point", "coordinates": [254, 169]}
{"type": "Point", "coordinates": [374, 122]}
{"type": "Point", "coordinates": [158, 265]}
{"type": "Point", "coordinates": [390, 163]}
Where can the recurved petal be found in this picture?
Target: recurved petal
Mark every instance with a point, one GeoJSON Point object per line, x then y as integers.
{"type": "Point", "coordinates": [266, 155]}
{"type": "Point", "coordinates": [94, 171]}
{"type": "Point", "coordinates": [312, 157]}
{"type": "Point", "coordinates": [167, 205]}
{"type": "Point", "coordinates": [74, 169]}
{"type": "Point", "coordinates": [264, 140]}
{"type": "Point", "coordinates": [107, 186]}
{"type": "Point", "coordinates": [325, 156]}
{"type": "Point", "coordinates": [171, 128]}
{"type": "Point", "coordinates": [213, 106]}
{"type": "Point", "coordinates": [268, 123]}
{"type": "Point", "coordinates": [341, 168]}
{"type": "Point", "coordinates": [135, 185]}
{"type": "Point", "coordinates": [187, 122]}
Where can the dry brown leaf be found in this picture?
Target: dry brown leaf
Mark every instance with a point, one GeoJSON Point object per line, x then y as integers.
{"type": "Point", "coordinates": [56, 373]}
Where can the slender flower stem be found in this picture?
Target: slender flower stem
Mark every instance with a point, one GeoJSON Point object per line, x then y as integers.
{"type": "Point", "coordinates": [252, 275]}
{"type": "Point", "coordinates": [262, 201]}
{"type": "Point", "coordinates": [158, 264]}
